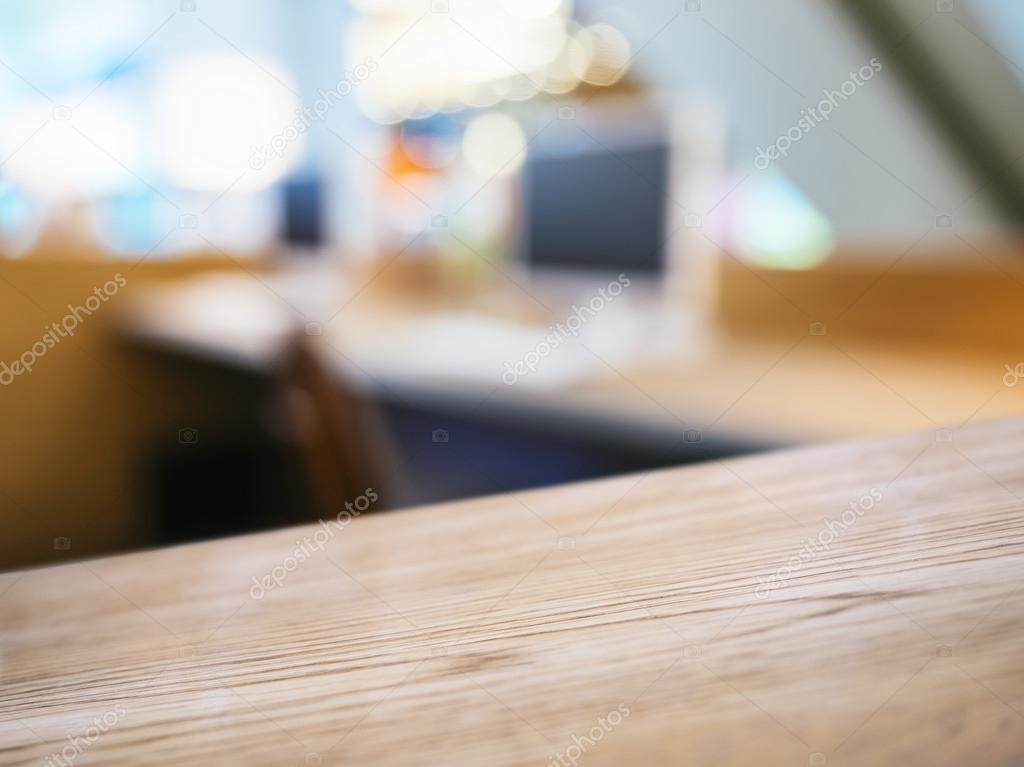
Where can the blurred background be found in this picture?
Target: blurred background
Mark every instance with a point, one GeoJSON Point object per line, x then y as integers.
{"type": "Point", "coordinates": [256, 257]}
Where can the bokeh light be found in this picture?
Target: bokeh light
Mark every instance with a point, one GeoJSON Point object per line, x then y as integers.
{"type": "Point", "coordinates": [213, 109]}
{"type": "Point", "coordinates": [58, 152]}
{"type": "Point", "coordinates": [607, 54]}
{"type": "Point", "coordinates": [494, 145]}
{"type": "Point", "coordinates": [778, 227]}
{"type": "Point", "coordinates": [465, 57]}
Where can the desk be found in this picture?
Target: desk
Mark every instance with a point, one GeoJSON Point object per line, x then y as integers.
{"type": "Point", "coordinates": [744, 390]}
{"type": "Point", "coordinates": [506, 630]}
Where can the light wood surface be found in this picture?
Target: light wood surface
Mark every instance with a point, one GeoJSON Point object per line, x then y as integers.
{"type": "Point", "coordinates": [493, 632]}
{"type": "Point", "coordinates": [870, 344]}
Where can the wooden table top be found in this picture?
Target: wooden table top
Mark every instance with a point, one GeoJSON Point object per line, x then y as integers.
{"type": "Point", "coordinates": [737, 612]}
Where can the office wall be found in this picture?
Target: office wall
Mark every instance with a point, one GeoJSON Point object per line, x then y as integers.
{"type": "Point", "coordinates": [878, 168]}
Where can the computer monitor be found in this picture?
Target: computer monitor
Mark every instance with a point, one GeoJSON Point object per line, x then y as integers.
{"type": "Point", "coordinates": [596, 201]}
{"type": "Point", "coordinates": [303, 223]}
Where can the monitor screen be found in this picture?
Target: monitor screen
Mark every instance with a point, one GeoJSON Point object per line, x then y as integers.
{"type": "Point", "coordinates": [597, 206]}
{"type": "Point", "coordinates": [303, 212]}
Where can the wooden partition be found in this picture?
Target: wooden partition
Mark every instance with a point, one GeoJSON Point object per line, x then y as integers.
{"type": "Point", "coordinates": [964, 299]}
{"type": "Point", "coordinates": [71, 428]}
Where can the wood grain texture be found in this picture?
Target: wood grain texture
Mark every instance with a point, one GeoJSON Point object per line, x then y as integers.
{"type": "Point", "coordinates": [505, 630]}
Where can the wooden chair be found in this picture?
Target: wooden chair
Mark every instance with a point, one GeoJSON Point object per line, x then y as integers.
{"type": "Point", "coordinates": [341, 436]}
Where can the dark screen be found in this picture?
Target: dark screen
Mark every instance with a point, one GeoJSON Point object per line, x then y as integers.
{"type": "Point", "coordinates": [599, 209]}
{"type": "Point", "coordinates": [303, 213]}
